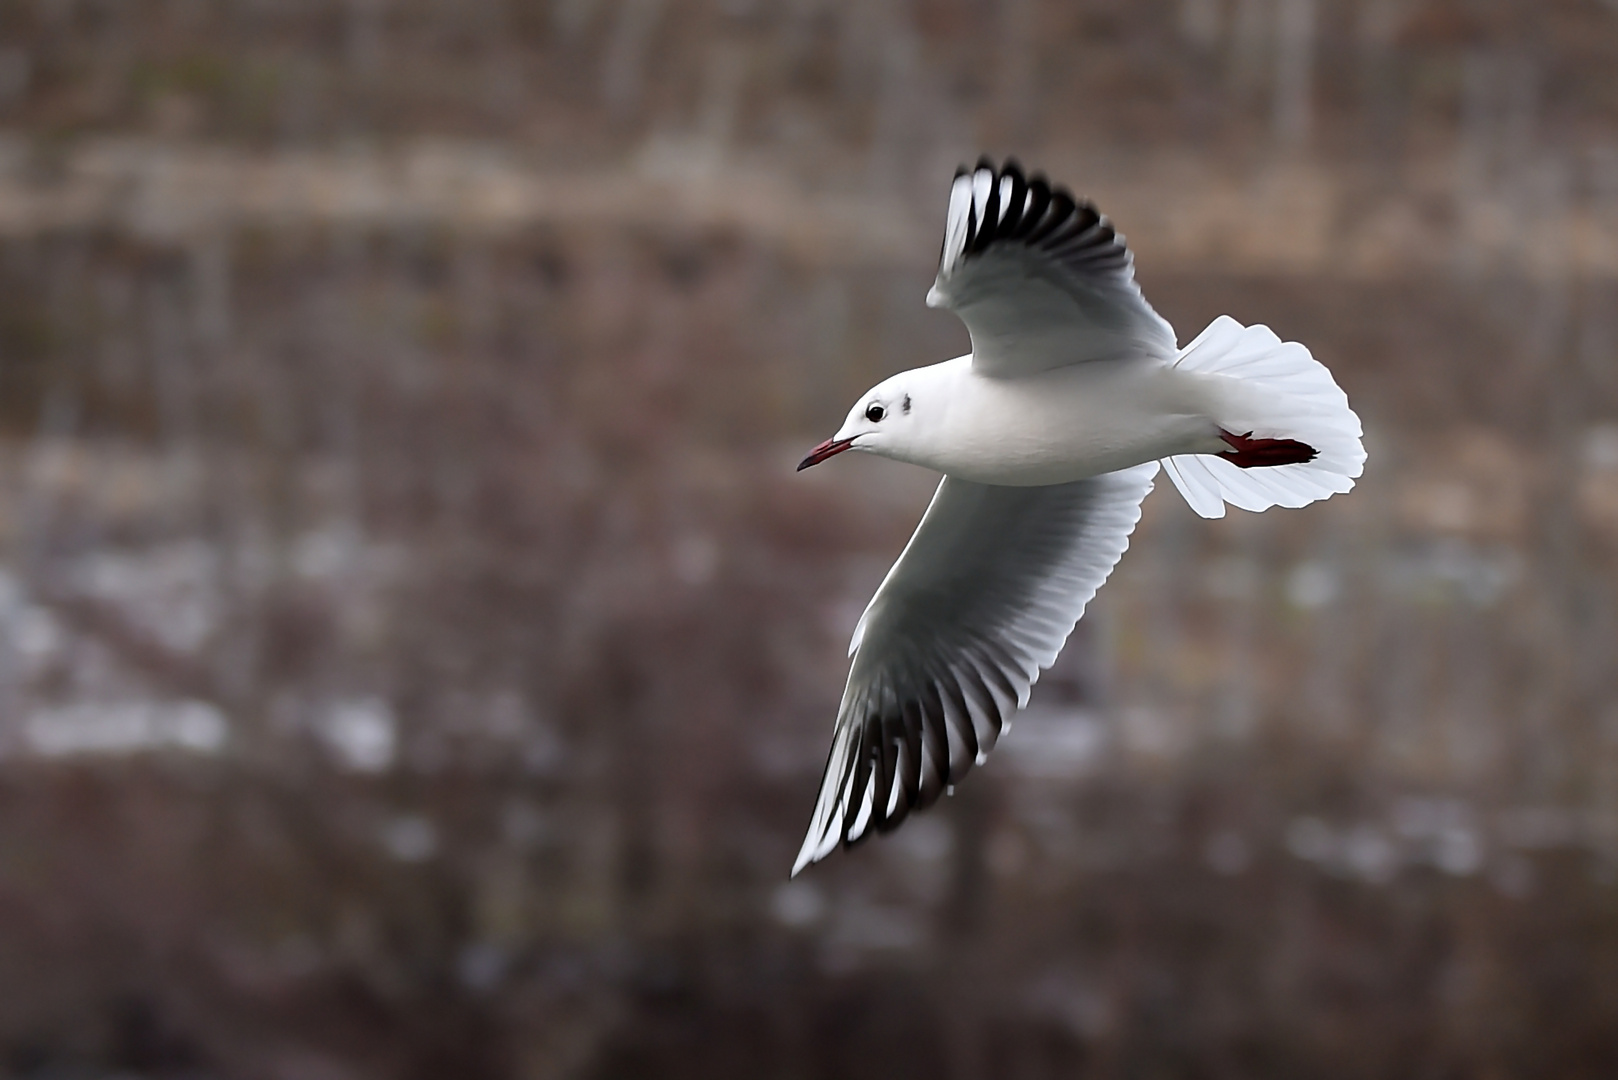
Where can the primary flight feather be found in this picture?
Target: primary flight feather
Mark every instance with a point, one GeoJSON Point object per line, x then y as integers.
{"type": "Point", "coordinates": [1049, 434]}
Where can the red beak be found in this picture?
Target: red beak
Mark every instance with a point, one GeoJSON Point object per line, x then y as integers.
{"type": "Point", "coordinates": [829, 448]}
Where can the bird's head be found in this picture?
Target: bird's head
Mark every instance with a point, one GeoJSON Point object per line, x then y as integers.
{"type": "Point", "coordinates": [881, 422]}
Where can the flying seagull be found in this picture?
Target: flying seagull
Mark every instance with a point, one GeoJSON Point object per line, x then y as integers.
{"type": "Point", "coordinates": [1049, 434]}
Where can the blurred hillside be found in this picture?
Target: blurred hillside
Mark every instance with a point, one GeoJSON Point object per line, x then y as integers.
{"type": "Point", "coordinates": [417, 653]}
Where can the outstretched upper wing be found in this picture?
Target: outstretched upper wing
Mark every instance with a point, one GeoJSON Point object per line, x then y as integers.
{"type": "Point", "coordinates": [980, 602]}
{"type": "Point", "coordinates": [1040, 278]}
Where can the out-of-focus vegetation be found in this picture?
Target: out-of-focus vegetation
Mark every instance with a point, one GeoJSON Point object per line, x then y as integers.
{"type": "Point", "coordinates": [417, 654]}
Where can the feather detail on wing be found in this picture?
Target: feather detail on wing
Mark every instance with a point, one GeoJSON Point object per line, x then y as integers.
{"type": "Point", "coordinates": [1041, 279]}
{"type": "Point", "coordinates": [980, 602]}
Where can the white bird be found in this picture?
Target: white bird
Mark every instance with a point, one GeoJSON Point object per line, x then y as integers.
{"type": "Point", "coordinates": [1049, 434]}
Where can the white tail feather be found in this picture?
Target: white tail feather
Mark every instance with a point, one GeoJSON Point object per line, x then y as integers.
{"type": "Point", "coordinates": [1299, 399]}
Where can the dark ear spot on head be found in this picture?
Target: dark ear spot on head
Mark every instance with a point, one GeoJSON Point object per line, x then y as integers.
{"type": "Point", "coordinates": [906, 405]}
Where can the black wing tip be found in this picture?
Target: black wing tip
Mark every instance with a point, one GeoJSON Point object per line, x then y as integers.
{"type": "Point", "coordinates": [1010, 167]}
{"type": "Point", "coordinates": [1037, 213]}
{"type": "Point", "coordinates": [876, 762]}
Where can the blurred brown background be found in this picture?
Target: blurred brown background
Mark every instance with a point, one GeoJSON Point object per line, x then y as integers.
{"type": "Point", "coordinates": [417, 655]}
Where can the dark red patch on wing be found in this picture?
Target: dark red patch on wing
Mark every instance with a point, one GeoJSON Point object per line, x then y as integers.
{"type": "Point", "coordinates": [1247, 452]}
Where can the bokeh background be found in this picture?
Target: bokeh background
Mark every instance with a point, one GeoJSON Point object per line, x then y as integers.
{"type": "Point", "coordinates": [417, 654]}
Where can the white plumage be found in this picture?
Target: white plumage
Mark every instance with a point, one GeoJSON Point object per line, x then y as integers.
{"type": "Point", "coordinates": [1049, 434]}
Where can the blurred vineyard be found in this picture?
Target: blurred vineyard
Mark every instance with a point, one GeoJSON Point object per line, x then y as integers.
{"type": "Point", "coordinates": [417, 654]}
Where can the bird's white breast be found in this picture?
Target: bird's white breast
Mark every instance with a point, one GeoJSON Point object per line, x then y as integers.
{"type": "Point", "coordinates": [1068, 423]}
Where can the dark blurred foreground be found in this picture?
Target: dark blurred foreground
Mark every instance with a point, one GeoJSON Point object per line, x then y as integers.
{"type": "Point", "coordinates": [417, 654]}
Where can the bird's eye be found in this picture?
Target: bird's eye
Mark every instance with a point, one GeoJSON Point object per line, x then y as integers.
{"type": "Point", "coordinates": [875, 413]}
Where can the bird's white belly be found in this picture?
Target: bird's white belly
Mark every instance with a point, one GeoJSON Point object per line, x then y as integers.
{"type": "Point", "coordinates": [1075, 422]}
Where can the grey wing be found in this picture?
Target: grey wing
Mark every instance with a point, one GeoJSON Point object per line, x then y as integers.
{"type": "Point", "coordinates": [980, 602]}
{"type": "Point", "coordinates": [1040, 278]}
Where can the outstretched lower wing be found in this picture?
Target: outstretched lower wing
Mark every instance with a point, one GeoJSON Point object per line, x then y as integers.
{"type": "Point", "coordinates": [980, 602]}
{"type": "Point", "coordinates": [1040, 278]}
